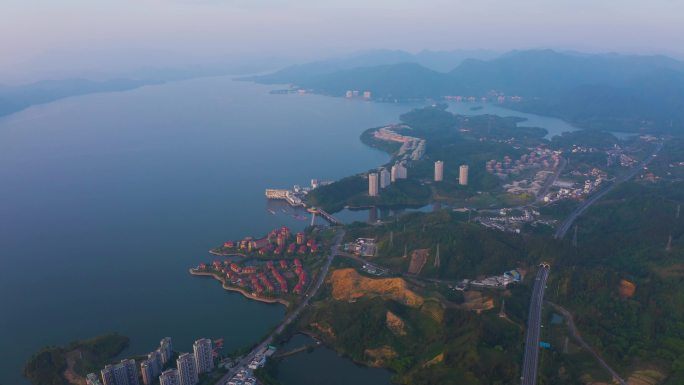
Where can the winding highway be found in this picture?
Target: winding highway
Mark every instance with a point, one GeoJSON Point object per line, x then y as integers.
{"type": "Point", "coordinates": [531, 360]}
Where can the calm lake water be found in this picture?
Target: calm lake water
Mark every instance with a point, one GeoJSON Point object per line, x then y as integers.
{"type": "Point", "coordinates": [323, 366]}
{"type": "Point", "coordinates": [106, 200]}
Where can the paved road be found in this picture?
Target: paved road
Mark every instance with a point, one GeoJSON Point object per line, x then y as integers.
{"type": "Point", "coordinates": [311, 292]}
{"type": "Point", "coordinates": [550, 181]}
{"type": "Point", "coordinates": [531, 360]}
{"type": "Point", "coordinates": [576, 335]}
{"type": "Point", "coordinates": [567, 223]}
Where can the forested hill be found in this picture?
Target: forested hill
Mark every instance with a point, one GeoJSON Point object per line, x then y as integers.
{"type": "Point", "coordinates": [607, 91]}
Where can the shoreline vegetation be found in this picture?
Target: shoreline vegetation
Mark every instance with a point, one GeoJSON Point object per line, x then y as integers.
{"type": "Point", "coordinates": [242, 291]}
{"type": "Point", "coordinates": [69, 364]}
{"type": "Point", "coordinates": [216, 251]}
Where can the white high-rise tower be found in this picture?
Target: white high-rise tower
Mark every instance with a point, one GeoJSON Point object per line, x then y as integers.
{"type": "Point", "coordinates": [439, 171]}
{"type": "Point", "coordinates": [203, 355]}
{"type": "Point", "coordinates": [463, 175]}
{"type": "Point", "coordinates": [373, 184]}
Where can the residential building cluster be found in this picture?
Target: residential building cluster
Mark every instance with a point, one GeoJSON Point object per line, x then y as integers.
{"type": "Point", "coordinates": [531, 187]}
{"type": "Point", "coordinates": [571, 190]}
{"type": "Point", "coordinates": [512, 221]}
{"type": "Point", "coordinates": [364, 247]}
{"type": "Point", "coordinates": [497, 281]}
{"type": "Point", "coordinates": [412, 148]}
{"type": "Point", "coordinates": [245, 375]}
{"type": "Point", "coordinates": [188, 367]}
{"type": "Point", "coordinates": [484, 99]}
{"type": "Point", "coordinates": [539, 157]}
{"type": "Point", "coordinates": [271, 277]}
{"type": "Point", "coordinates": [356, 93]}
{"type": "Point", "coordinates": [616, 155]}
{"type": "Point", "coordinates": [151, 368]}
{"type": "Point", "coordinates": [382, 178]}
{"type": "Point", "coordinates": [277, 242]}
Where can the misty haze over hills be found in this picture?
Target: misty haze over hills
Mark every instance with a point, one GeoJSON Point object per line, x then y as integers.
{"type": "Point", "coordinates": [602, 91]}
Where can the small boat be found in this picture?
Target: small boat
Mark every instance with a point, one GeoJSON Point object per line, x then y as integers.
{"type": "Point", "coordinates": [284, 211]}
{"type": "Point", "coordinates": [271, 211]}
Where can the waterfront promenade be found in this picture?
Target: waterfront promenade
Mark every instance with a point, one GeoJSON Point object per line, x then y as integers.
{"type": "Point", "coordinates": [311, 292]}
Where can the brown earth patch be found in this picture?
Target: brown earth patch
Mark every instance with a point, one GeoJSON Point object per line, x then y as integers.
{"type": "Point", "coordinates": [69, 374]}
{"type": "Point", "coordinates": [348, 285]}
{"type": "Point", "coordinates": [324, 330]}
{"type": "Point", "coordinates": [645, 377]}
{"type": "Point", "coordinates": [476, 301]}
{"type": "Point", "coordinates": [626, 289]}
{"type": "Point", "coordinates": [418, 259]}
{"type": "Point", "coordinates": [379, 356]}
{"type": "Point", "coordinates": [395, 324]}
{"type": "Point", "coordinates": [436, 360]}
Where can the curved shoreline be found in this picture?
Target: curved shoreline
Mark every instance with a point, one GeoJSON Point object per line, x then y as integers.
{"type": "Point", "coordinates": [221, 254]}
{"type": "Point", "coordinates": [240, 290]}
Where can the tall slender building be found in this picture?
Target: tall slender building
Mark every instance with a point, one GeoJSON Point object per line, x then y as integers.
{"type": "Point", "coordinates": [204, 358]}
{"type": "Point", "coordinates": [166, 350]}
{"type": "Point", "coordinates": [114, 375]}
{"type": "Point", "coordinates": [131, 371]}
{"type": "Point", "coordinates": [439, 171]}
{"type": "Point", "coordinates": [147, 371]}
{"type": "Point", "coordinates": [155, 358]}
{"type": "Point", "coordinates": [169, 377]}
{"type": "Point", "coordinates": [187, 369]}
{"type": "Point", "coordinates": [398, 172]}
{"type": "Point", "coordinates": [93, 379]}
{"type": "Point", "coordinates": [151, 368]}
{"type": "Point", "coordinates": [373, 184]}
{"type": "Point", "coordinates": [463, 175]}
{"type": "Point", "coordinates": [385, 178]}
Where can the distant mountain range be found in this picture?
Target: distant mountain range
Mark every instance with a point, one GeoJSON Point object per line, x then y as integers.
{"type": "Point", "coordinates": [17, 98]}
{"type": "Point", "coordinates": [14, 98]}
{"type": "Point", "coordinates": [601, 91]}
{"type": "Point", "coordinates": [437, 61]}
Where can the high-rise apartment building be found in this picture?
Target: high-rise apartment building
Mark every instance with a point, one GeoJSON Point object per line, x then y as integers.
{"type": "Point", "coordinates": [463, 175]}
{"type": "Point", "coordinates": [187, 369]}
{"type": "Point", "coordinates": [114, 375]}
{"type": "Point", "coordinates": [131, 371]}
{"type": "Point", "coordinates": [93, 379]}
{"type": "Point", "coordinates": [166, 350]}
{"type": "Point", "coordinates": [204, 358]}
{"type": "Point", "coordinates": [398, 172]}
{"type": "Point", "coordinates": [385, 178]}
{"type": "Point", "coordinates": [169, 377]}
{"type": "Point", "coordinates": [373, 184]}
{"type": "Point", "coordinates": [439, 171]}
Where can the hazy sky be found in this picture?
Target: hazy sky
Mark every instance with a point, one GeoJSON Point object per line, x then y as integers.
{"type": "Point", "coordinates": [150, 31]}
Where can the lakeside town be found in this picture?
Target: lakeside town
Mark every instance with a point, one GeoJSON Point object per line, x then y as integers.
{"type": "Point", "coordinates": [191, 368]}
{"type": "Point", "coordinates": [268, 269]}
